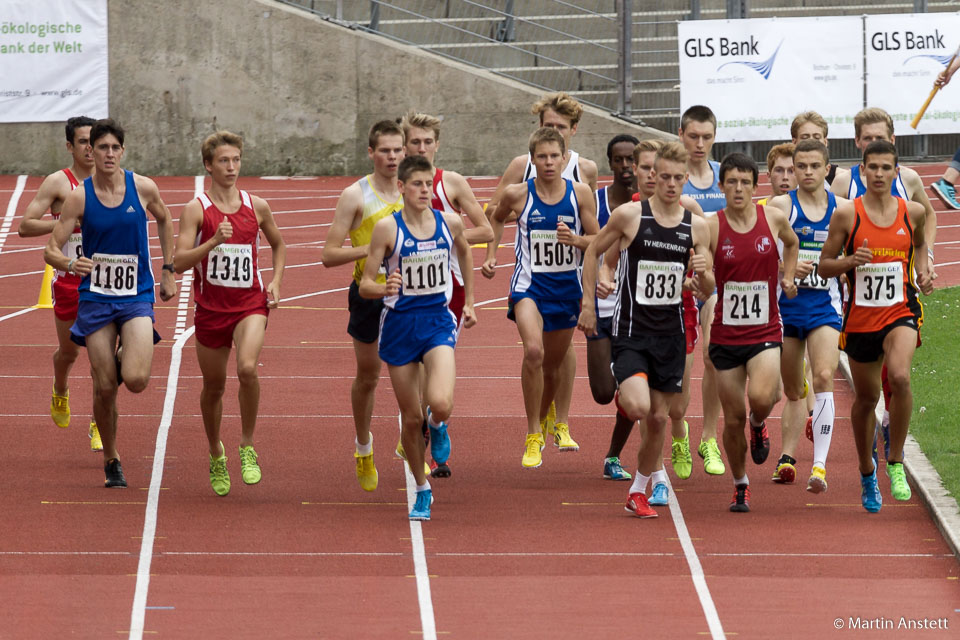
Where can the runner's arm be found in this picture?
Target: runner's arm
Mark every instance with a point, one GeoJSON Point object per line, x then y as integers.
{"type": "Point", "coordinates": [588, 219]}
{"type": "Point", "coordinates": [334, 253]}
{"type": "Point", "coordinates": [497, 219]}
{"type": "Point", "coordinates": [608, 237]}
{"type": "Point", "coordinates": [462, 247]}
{"type": "Point", "coordinates": [70, 216]}
{"type": "Point", "coordinates": [383, 232]}
{"type": "Point", "coordinates": [512, 175]}
{"type": "Point", "coordinates": [914, 185]}
{"type": "Point", "coordinates": [919, 218]}
{"type": "Point", "coordinates": [278, 248]}
{"type": "Point", "coordinates": [841, 182]}
{"type": "Point", "coordinates": [158, 209]}
{"type": "Point", "coordinates": [465, 201]}
{"type": "Point", "coordinates": [588, 168]}
{"type": "Point", "coordinates": [33, 223]}
{"type": "Point", "coordinates": [832, 264]}
{"type": "Point", "coordinates": [701, 247]}
{"type": "Point", "coordinates": [187, 253]}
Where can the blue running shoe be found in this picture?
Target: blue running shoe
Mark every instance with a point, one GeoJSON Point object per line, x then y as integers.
{"type": "Point", "coordinates": [946, 192]}
{"type": "Point", "coordinates": [870, 492]}
{"type": "Point", "coordinates": [660, 496]}
{"type": "Point", "coordinates": [613, 471]}
{"type": "Point", "coordinates": [421, 508]}
{"type": "Point", "coordinates": [439, 441]}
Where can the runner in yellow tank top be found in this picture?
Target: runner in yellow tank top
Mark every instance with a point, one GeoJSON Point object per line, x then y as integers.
{"type": "Point", "coordinates": [359, 208]}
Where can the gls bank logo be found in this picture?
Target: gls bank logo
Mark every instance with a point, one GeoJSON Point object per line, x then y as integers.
{"type": "Point", "coordinates": [705, 48]}
{"type": "Point", "coordinates": [907, 40]}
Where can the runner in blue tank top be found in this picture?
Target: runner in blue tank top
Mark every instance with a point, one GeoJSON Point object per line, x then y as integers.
{"type": "Point", "coordinates": [116, 293]}
{"type": "Point", "coordinates": [415, 246]}
{"type": "Point", "coordinates": [545, 288]}
{"type": "Point", "coordinates": [811, 320]}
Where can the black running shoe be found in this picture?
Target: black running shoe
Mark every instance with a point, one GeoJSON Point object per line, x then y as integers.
{"type": "Point", "coordinates": [741, 499]}
{"type": "Point", "coordinates": [759, 443]}
{"type": "Point", "coordinates": [440, 470]}
{"type": "Point", "coordinates": [114, 475]}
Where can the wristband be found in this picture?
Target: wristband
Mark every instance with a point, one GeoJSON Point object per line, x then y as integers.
{"type": "Point", "coordinates": [70, 265]}
{"type": "Point", "coordinates": [930, 253]}
{"type": "Point", "coordinates": [169, 267]}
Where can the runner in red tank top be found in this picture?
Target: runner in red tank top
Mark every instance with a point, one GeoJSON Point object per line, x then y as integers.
{"type": "Point", "coordinates": [746, 333]}
{"type": "Point", "coordinates": [219, 239]}
{"type": "Point", "coordinates": [451, 194]}
{"type": "Point", "coordinates": [882, 238]}
{"type": "Point", "coordinates": [53, 191]}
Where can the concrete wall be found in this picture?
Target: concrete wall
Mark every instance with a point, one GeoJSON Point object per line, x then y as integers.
{"type": "Point", "coordinates": [303, 92]}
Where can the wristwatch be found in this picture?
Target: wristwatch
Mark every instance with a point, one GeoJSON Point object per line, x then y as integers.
{"type": "Point", "coordinates": [169, 267]}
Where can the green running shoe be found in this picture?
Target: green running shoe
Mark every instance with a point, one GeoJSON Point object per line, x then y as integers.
{"type": "Point", "coordinates": [899, 488]}
{"type": "Point", "coordinates": [680, 456]}
{"type": "Point", "coordinates": [249, 469]}
{"type": "Point", "coordinates": [710, 452]}
{"type": "Point", "coordinates": [219, 476]}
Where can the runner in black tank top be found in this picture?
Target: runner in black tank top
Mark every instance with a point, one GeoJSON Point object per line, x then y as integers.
{"type": "Point", "coordinates": [657, 239]}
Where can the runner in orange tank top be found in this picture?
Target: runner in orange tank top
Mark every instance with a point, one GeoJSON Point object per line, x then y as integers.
{"type": "Point", "coordinates": [882, 239]}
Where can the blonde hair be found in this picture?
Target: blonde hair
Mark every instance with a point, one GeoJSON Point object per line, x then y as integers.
{"type": "Point", "coordinates": [417, 120]}
{"type": "Point", "coordinates": [218, 139]}
{"type": "Point", "coordinates": [546, 134]}
{"type": "Point", "coordinates": [562, 103]}
{"type": "Point", "coordinates": [784, 150]}
{"type": "Point", "coordinates": [804, 118]}
{"type": "Point", "coordinates": [645, 146]}
{"type": "Point", "coordinates": [871, 115]}
{"type": "Point", "coordinates": [673, 152]}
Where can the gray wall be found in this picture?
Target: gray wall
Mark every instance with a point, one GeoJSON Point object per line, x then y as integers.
{"type": "Point", "coordinates": [303, 92]}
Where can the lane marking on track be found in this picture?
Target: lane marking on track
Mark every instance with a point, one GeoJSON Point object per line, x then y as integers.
{"type": "Point", "coordinates": [14, 315]}
{"type": "Point", "coordinates": [17, 275]}
{"type": "Point", "coordinates": [696, 569]}
{"type": "Point", "coordinates": [310, 295]}
{"type": "Point", "coordinates": [428, 623]}
{"type": "Point", "coordinates": [186, 282]}
{"type": "Point", "coordinates": [11, 210]}
{"type": "Point", "coordinates": [138, 611]}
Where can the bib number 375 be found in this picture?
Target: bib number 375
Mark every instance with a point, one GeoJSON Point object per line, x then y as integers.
{"type": "Point", "coordinates": [879, 285]}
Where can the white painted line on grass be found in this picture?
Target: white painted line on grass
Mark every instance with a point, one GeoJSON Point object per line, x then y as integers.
{"type": "Point", "coordinates": [696, 569]}
{"type": "Point", "coordinates": [428, 623]}
{"type": "Point", "coordinates": [153, 497]}
{"type": "Point", "coordinates": [11, 210]}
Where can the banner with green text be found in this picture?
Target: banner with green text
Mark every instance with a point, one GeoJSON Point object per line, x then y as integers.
{"type": "Point", "coordinates": [53, 60]}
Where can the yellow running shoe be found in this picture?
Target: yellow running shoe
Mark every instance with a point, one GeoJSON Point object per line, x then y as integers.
{"type": "Point", "coordinates": [818, 480]}
{"type": "Point", "coordinates": [403, 456]}
{"type": "Point", "coordinates": [367, 471]}
{"type": "Point", "coordinates": [60, 409]}
{"type": "Point", "coordinates": [712, 461]}
{"type": "Point", "coordinates": [219, 476]}
{"type": "Point", "coordinates": [561, 438]}
{"type": "Point", "coordinates": [680, 456]}
{"type": "Point", "coordinates": [531, 451]}
{"type": "Point", "coordinates": [547, 424]}
{"type": "Point", "coordinates": [249, 469]}
{"type": "Point", "coordinates": [94, 434]}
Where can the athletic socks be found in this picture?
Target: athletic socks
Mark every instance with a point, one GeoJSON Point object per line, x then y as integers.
{"type": "Point", "coordinates": [424, 487]}
{"type": "Point", "coordinates": [743, 480]}
{"type": "Point", "coordinates": [640, 483]}
{"type": "Point", "coordinates": [364, 449]}
{"type": "Point", "coordinates": [823, 416]}
{"type": "Point", "coordinates": [659, 476]}
{"type": "Point", "coordinates": [752, 423]}
{"type": "Point", "coordinates": [433, 423]}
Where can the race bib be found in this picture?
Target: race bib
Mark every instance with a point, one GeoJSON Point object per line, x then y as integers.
{"type": "Point", "coordinates": [879, 285]}
{"type": "Point", "coordinates": [114, 274]}
{"type": "Point", "coordinates": [425, 272]}
{"type": "Point", "coordinates": [813, 280]}
{"type": "Point", "coordinates": [659, 283]}
{"type": "Point", "coordinates": [74, 247]}
{"type": "Point", "coordinates": [548, 255]}
{"type": "Point", "coordinates": [231, 265]}
{"type": "Point", "coordinates": [746, 303]}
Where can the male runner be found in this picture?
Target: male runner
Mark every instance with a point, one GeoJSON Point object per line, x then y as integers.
{"type": "Point", "coordinates": [746, 331]}
{"type": "Point", "coordinates": [620, 157]}
{"type": "Point", "coordinates": [883, 242]}
{"type": "Point", "coordinates": [360, 207]}
{"type": "Point", "coordinates": [945, 187]}
{"type": "Point", "coordinates": [659, 240]}
{"type": "Point", "coordinates": [451, 194]}
{"type": "Point", "coordinates": [811, 320]}
{"type": "Point", "coordinates": [876, 124]}
{"type": "Point", "coordinates": [415, 245]}
{"type": "Point", "coordinates": [220, 239]}
{"type": "Point", "coordinates": [698, 130]}
{"type": "Point", "coordinates": [780, 170]}
{"type": "Point", "coordinates": [561, 112]}
{"type": "Point", "coordinates": [116, 290]}
{"type": "Point", "coordinates": [545, 290]}
{"type": "Point", "coordinates": [52, 193]}
{"type": "Point", "coordinates": [810, 125]}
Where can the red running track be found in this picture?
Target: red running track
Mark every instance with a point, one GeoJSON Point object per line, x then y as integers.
{"type": "Point", "coordinates": [546, 553]}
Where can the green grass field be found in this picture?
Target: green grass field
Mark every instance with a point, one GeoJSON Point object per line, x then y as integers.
{"type": "Point", "coordinates": [936, 386]}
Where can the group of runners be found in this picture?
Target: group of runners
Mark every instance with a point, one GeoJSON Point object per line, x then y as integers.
{"type": "Point", "coordinates": [673, 253]}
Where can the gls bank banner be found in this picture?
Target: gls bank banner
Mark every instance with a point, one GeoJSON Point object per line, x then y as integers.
{"type": "Point", "coordinates": [904, 55]}
{"type": "Point", "coordinates": [758, 74]}
{"type": "Point", "coordinates": [53, 59]}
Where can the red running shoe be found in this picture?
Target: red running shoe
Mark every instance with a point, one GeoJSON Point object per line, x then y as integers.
{"type": "Point", "coordinates": [741, 499]}
{"type": "Point", "coordinates": [637, 504]}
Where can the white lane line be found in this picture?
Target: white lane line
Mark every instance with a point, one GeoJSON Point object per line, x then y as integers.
{"type": "Point", "coordinates": [153, 497]}
{"type": "Point", "coordinates": [15, 314]}
{"type": "Point", "coordinates": [186, 282]}
{"type": "Point", "coordinates": [11, 210]}
{"type": "Point", "coordinates": [310, 295]}
{"type": "Point", "coordinates": [696, 569]}
{"type": "Point", "coordinates": [17, 275]}
{"type": "Point", "coordinates": [428, 623]}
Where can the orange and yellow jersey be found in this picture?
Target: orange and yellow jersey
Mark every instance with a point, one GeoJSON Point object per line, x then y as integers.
{"type": "Point", "coordinates": [374, 208]}
{"type": "Point", "coordinates": [882, 291]}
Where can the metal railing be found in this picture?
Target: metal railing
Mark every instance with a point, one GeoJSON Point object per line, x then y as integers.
{"type": "Point", "coordinates": [618, 55]}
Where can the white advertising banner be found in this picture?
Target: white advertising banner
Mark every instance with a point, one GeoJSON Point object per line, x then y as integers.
{"type": "Point", "coordinates": [758, 74]}
{"type": "Point", "coordinates": [53, 59]}
{"type": "Point", "coordinates": [905, 52]}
